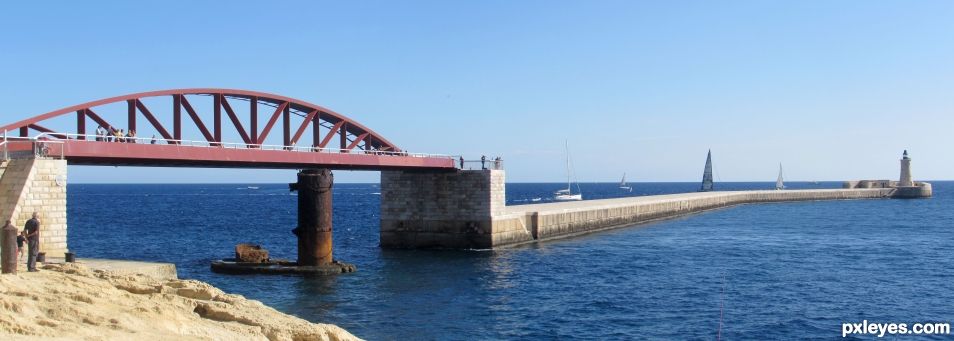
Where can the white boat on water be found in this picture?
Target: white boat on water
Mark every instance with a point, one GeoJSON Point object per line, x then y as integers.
{"type": "Point", "coordinates": [567, 194]}
{"type": "Point", "coordinates": [623, 185]}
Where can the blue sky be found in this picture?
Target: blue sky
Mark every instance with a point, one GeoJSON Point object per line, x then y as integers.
{"type": "Point", "coordinates": [832, 89]}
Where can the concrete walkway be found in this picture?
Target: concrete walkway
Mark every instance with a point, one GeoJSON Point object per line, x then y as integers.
{"type": "Point", "coordinates": [527, 223]}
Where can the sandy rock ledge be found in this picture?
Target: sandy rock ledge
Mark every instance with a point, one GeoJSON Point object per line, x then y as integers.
{"type": "Point", "coordinates": [69, 302]}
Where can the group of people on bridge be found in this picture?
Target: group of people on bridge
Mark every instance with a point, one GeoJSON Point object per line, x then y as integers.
{"type": "Point", "coordinates": [118, 135]}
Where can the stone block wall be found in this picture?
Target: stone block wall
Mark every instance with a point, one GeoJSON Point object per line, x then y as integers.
{"type": "Point", "coordinates": [440, 209]}
{"type": "Point", "coordinates": [36, 185]}
{"type": "Point", "coordinates": [550, 222]}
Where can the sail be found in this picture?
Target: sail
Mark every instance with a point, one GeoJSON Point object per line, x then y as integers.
{"type": "Point", "coordinates": [622, 183]}
{"type": "Point", "coordinates": [778, 183]}
{"type": "Point", "coordinates": [707, 174]}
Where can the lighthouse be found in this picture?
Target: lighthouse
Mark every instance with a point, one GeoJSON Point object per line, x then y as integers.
{"type": "Point", "coordinates": [905, 180]}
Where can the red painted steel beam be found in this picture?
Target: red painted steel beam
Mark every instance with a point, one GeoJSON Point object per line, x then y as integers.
{"type": "Point", "coordinates": [81, 123]}
{"type": "Point", "coordinates": [235, 120]}
{"type": "Point", "coordinates": [353, 127]}
{"type": "Point", "coordinates": [177, 117]}
{"type": "Point", "coordinates": [331, 133]}
{"type": "Point", "coordinates": [217, 117]}
{"type": "Point", "coordinates": [304, 124]}
{"type": "Point", "coordinates": [344, 136]}
{"type": "Point", "coordinates": [356, 141]}
{"type": "Point", "coordinates": [138, 154]}
{"type": "Point", "coordinates": [43, 129]}
{"type": "Point", "coordinates": [315, 129]}
{"type": "Point", "coordinates": [196, 119]}
{"type": "Point", "coordinates": [253, 118]}
{"type": "Point", "coordinates": [286, 126]}
{"type": "Point", "coordinates": [40, 128]}
{"type": "Point", "coordinates": [99, 120]}
{"type": "Point", "coordinates": [152, 119]}
{"type": "Point", "coordinates": [271, 122]}
{"type": "Point", "coordinates": [131, 114]}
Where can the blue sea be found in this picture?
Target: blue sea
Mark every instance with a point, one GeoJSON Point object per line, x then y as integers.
{"type": "Point", "coordinates": [771, 271]}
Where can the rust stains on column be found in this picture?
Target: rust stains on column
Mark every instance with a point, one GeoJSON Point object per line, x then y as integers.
{"type": "Point", "coordinates": [314, 216]}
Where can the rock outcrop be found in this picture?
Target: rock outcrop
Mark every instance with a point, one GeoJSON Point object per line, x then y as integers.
{"type": "Point", "coordinates": [69, 301]}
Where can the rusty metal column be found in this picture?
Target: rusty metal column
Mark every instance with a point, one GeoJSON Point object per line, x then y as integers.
{"type": "Point", "coordinates": [314, 216]}
{"type": "Point", "coordinates": [9, 256]}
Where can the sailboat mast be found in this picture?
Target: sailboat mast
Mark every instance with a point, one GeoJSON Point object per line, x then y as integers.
{"type": "Point", "coordinates": [778, 183]}
{"type": "Point", "coordinates": [566, 149]}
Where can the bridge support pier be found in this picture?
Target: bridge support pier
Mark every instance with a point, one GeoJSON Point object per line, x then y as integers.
{"type": "Point", "coordinates": [313, 232]}
{"type": "Point", "coordinates": [314, 216]}
{"type": "Point", "coordinates": [463, 209]}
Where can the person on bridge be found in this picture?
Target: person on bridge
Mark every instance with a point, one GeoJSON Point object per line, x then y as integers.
{"type": "Point", "coordinates": [100, 132]}
{"type": "Point", "coordinates": [131, 136]}
{"type": "Point", "coordinates": [483, 160]}
{"type": "Point", "coordinates": [32, 229]}
{"type": "Point", "coordinates": [461, 162]}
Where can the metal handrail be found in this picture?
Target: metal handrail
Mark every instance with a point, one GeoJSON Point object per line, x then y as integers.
{"type": "Point", "coordinates": [38, 146]}
{"type": "Point", "coordinates": [495, 163]}
{"type": "Point", "coordinates": [233, 145]}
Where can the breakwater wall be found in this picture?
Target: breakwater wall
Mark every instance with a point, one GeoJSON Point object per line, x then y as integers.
{"type": "Point", "coordinates": [466, 209]}
{"type": "Point", "coordinates": [555, 220]}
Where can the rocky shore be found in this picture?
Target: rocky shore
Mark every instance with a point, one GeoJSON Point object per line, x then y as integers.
{"type": "Point", "coordinates": [70, 302]}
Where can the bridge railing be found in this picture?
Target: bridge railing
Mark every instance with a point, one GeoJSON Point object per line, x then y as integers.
{"type": "Point", "coordinates": [44, 148]}
{"type": "Point", "coordinates": [230, 145]}
{"type": "Point", "coordinates": [495, 163]}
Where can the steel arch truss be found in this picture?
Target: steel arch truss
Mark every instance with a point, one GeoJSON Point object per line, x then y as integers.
{"type": "Point", "coordinates": [329, 130]}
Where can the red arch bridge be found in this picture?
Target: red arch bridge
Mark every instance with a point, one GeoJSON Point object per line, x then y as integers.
{"type": "Point", "coordinates": [191, 127]}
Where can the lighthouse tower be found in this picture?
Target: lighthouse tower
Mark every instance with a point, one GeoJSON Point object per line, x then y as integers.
{"type": "Point", "coordinates": [905, 180]}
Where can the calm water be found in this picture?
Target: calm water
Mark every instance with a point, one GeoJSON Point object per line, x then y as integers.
{"type": "Point", "coordinates": [792, 270]}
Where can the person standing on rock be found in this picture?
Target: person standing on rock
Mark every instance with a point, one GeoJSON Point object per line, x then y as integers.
{"type": "Point", "coordinates": [32, 229]}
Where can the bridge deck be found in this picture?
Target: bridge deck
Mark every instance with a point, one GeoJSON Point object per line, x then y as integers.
{"type": "Point", "coordinates": [85, 152]}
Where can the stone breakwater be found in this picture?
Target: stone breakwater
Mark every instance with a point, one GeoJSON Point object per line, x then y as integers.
{"type": "Point", "coordinates": [527, 223]}
{"type": "Point", "coordinates": [466, 209]}
{"type": "Point", "coordinates": [71, 302]}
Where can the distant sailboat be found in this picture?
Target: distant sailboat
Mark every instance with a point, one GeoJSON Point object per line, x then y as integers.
{"type": "Point", "coordinates": [707, 174]}
{"type": "Point", "coordinates": [623, 185]}
{"type": "Point", "coordinates": [779, 185]}
{"type": "Point", "coordinates": [566, 194]}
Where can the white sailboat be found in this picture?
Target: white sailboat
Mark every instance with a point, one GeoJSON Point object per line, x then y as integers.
{"type": "Point", "coordinates": [779, 185]}
{"type": "Point", "coordinates": [623, 185]}
{"type": "Point", "coordinates": [567, 194]}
